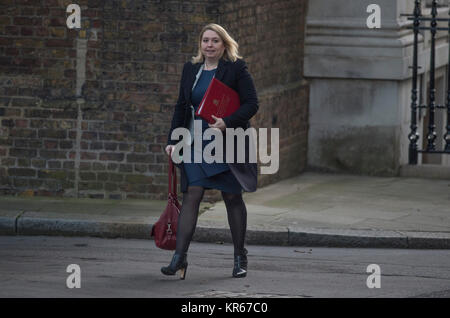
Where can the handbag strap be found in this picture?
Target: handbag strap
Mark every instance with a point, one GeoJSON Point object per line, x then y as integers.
{"type": "Point", "coordinates": [172, 178]}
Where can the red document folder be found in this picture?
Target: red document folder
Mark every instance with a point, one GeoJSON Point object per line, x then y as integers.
{"type": "Point", "coordinates": [219, 100]}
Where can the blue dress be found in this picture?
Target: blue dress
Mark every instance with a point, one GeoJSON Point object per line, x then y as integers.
{"type": "Point", "coordinates": [208, 175]}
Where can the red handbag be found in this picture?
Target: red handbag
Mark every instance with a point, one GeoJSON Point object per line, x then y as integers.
{"type": "Point", "coordinates": [165, 229]}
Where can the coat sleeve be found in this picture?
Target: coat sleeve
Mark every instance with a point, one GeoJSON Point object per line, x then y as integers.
{"type": "Point", "coordinates": [247, 95]}
{"type": "Point", "coordinates": [180, 107]}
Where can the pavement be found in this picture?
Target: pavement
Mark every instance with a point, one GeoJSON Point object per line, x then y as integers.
{"type": "Point", "coordinates": [311, 209]}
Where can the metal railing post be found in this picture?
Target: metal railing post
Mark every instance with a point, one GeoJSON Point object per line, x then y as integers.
{"type": "Point", "coordinates": [414, 135]}
{"type": "Point", "coordinates": [447, 133]}
{"type": "Point", "coordinates": [431, 136]}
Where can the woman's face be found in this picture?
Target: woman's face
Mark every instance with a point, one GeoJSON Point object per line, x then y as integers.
{"type": "Point", "coordinates": [212, 45]}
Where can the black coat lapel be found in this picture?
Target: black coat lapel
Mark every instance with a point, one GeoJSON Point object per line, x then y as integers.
{"type": "Point", "coordinates": [221, 69]}
{"type": "Point", "coordinates": [190, 81]}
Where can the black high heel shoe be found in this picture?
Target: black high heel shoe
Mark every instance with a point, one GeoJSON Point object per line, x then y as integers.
{"type": "Point", "coordinates": [178, 263]}
{"type": "Point", "coordinates": [240, 265]}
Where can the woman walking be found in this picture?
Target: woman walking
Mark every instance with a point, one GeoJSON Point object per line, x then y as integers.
{"type": "Point", "coordinates": [217, 57]}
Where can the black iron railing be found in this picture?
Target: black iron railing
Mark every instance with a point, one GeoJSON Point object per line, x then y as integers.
{"type": "Point", "coordinates": [432, 108]}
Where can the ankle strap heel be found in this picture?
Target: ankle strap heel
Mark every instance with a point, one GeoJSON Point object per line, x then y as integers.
{"type": "Point", "coordinates": [240, 265]}
{"type": "Point", "coordinates": [178, 263]}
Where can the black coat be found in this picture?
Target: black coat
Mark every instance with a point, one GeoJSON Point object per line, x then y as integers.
{"type": "Point", "coordinates": [236, 76]}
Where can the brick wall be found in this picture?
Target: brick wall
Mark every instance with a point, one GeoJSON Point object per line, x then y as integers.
{"type": "Point", "coordinates": [86, 112]}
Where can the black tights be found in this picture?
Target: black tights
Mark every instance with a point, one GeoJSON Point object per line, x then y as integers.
{"type": "Point", "coordinates": [188, 217]}
{"type": "Point", "coordinates": [237, 218]}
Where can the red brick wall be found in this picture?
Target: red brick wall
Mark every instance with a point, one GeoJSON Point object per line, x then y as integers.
{"type": "Point", "coordinates": [108, 142]}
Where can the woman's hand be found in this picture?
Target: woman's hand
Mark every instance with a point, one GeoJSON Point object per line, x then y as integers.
{"type": "Point", "coordinates": [169, 149]}
{"type": "Point", "coordinates": [220, 124]}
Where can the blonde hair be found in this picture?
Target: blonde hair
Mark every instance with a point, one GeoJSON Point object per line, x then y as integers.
{"type": "Point", "coordinates": [231, 47]}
